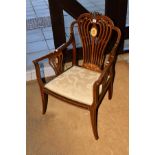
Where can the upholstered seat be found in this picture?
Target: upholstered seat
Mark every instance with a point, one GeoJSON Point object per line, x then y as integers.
{"type": "Point", "coordinates": [76, 84]}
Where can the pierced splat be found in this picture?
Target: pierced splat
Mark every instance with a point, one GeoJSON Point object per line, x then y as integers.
{"type": "Point", "coordinates": [95, 31]}
{"type": "Point", "coordinates": [56, 62]}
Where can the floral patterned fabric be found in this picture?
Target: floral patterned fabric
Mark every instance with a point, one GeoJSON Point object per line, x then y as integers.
{"type": "Point", "coordinates": [76, 83]}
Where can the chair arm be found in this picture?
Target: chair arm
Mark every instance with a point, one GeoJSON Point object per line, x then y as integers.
{"type": "Point", "coordinates": [103, 79]}
{"type": "Point", "coordinates": [113, 51]}
{"type": "Point", "coordinates": [60, 48]}
{"type": "Point", "coordinates": [45, 56]}
{"type": "Point", "coordinates": [105, 72]}
{"type": "Point", "coordinates": [55, 60]}
{"type": "Point", "coordinates": [38, 74]}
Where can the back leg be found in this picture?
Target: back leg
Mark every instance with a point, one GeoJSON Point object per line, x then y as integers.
{"type": "Point", "coordinates": [110, 90]}
{"type": "Point", "coordinates": [93, 116]}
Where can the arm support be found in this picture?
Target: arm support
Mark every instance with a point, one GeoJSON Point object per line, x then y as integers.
{"type": "Point", "coordinates": [103, 81]}
{"type": "Point", "coordinates": [55, 60]}
{"type": "Point", "coordinates": [104, 75]}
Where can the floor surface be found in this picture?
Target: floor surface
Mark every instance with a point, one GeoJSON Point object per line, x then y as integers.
{"type": "Point", "coordinates": [66, 129]}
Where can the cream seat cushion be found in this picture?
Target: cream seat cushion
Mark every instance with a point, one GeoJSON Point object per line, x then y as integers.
{"type": "Point", "coordinates": [76, 83]}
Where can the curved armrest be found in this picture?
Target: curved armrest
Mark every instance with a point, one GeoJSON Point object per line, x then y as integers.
{"type": "Point", "coordinates": [55, 60]}
{"type": "Point", "coordinates": [103, 79]}
{"type": "Point", "coordinates": [106, 71]}
{"type": "Point", "coordinates": [60, 48]}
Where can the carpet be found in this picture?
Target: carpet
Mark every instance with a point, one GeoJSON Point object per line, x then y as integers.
{"type": "Point", "coordinates": [66, 129]}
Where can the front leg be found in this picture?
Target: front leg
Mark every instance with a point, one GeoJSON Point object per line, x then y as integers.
{"type": "Point", "coordinates": [44, 102]}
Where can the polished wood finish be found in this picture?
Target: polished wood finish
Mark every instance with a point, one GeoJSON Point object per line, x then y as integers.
{"type": "Point", "coordinates": [96, 32]}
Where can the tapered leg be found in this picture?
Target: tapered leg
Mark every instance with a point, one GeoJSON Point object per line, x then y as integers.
{"type": "Point", "coordinates": [93, 116]}
{"type": "Point", "coordinates": [110, 90]}
{"type": "Point", "coordinates": [44, 102]}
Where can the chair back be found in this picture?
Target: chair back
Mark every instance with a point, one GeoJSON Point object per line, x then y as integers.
{"type": "Point", "coordinates": [95, 31]}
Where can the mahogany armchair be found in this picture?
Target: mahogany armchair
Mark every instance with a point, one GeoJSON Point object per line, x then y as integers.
{"type": "Point", "coordinates": [84, 86]}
